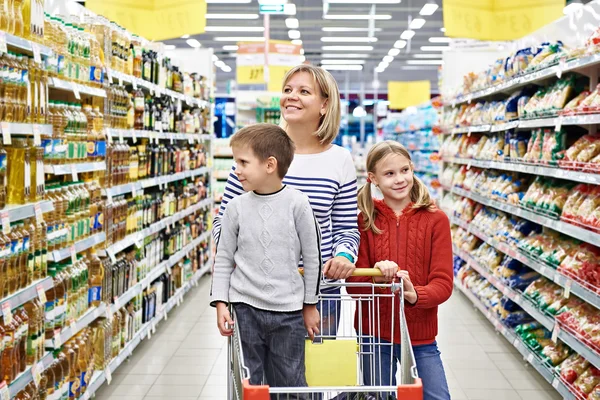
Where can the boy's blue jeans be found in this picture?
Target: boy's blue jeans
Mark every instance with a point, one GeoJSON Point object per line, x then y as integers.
{"type": "Point", "coordinates": [384, 357]}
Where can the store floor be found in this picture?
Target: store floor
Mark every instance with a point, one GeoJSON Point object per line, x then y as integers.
{"type": "Point", "coordinates": [186, 359]}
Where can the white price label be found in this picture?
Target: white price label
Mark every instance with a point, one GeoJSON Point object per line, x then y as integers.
{"type": "Point", "coordinates": [112, 257]}
{"type": "Point", "coordinates": [3, 47]}
{"type": "Point", "coordinates": [73, 326]}
{"type": "Point", "coordinates": [555, 332]}
{"type": "Point", "coordinates": [5, 222]}
{"type": "Point", "coordinates": [57, 338]}
{"type": "Point", "coordinates": [107, 312]}
{"type": "Point", "coordinates": [558, 126]}
{"type": "Point", "coordinates": [133, 190]}
{"type": "Point", "coordinates": [37, 57]}
{"type": "Point", "coordinates": [120, 80]}
{"type": "Point", "coordinates": [166, 315]}
{"type": "Point", "coordinates": [6, 313]}
{"type": "Point", "coordinates": [6, 139]}
{"type": "Point", "coordinates": [171, 139]}
{"type": "Point", "coordinates": [4, 392]}
{"type": "Point", "coordinates": [190, 139]}
{"type": "Point", "coordinates": [543, 270]}
{"type": "Point", "coordinates": [75, 88]}
{"type": "Point", "coordinates": [73, 254]}
{"type": "Point", "coordinates": [109, 137]}
{"type": "Point", "coordinates": [530, 358]}
{"type": "Point", "coordinates": [138, 243]}
{"type": "Point", "coordinates": [37, 138]}
{"type": "Point", "coordinates": [41, 293]}
{"type": "Point", "coordinates": [74, 173]}
{"type": "Point", "coordinates": [516, 342]}
{"type": "Point", "coordinates": [555, 383]}
{"type": "Point", "coordinates": [134, 136]}
{"type": "Point", "coordinates": [108, 375]}
{"type": "Point", "coordinates": [134, 83]}
{"type": "Point", "coordinates": [39, 215]}
{"type": "Point", "coordinates": [121, 140]}
{"type": "Point", "coordinates": [169, 271]}
{"type": "Point", "coordinates": [567, 291]}
{"type": "Point", "coordinates": [37, 375]}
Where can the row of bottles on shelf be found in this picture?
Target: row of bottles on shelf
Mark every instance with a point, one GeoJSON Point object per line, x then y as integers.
{"type": "Point", "coordinates": [23, 18]}
{"type": "Point", "coordinates": [125, 163]}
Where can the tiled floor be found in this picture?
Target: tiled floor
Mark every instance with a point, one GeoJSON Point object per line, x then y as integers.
{"type": "Point", "coordinates": [186, 359]}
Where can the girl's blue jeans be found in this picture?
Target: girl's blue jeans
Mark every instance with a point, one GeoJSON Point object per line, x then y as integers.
{"type": "Point", "coordinates": [379, 365]}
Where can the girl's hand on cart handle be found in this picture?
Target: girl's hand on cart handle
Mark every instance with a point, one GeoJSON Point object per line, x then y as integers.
{"type": "Point", "coordinates": [388, 269]}
{"type": "Point", "coordinates": [311, 320]}
{"type": "Point", "coordinates": [338, 268]}
{"type": "Point", "coordinates": [410, 294]}
{"type": "Point", "coordinates": [223, 318]}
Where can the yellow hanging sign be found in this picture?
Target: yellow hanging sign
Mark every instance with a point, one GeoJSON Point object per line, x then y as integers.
{"type": "Point", "coordinates": [283, 56]}
{"type": "Point", "coordinates": [407, 94]}
{"type": "Point", "coordinates": [498, 19]}
{"type": "Point", "coordinates": [154, 19]}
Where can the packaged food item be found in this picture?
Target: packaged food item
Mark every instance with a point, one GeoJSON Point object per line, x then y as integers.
{"type": "Point", "coordinates": [573, 367]}
{"type": "Point", "coordinates": [594, 394]}
{"type": "Point", "coordinates": [553, 143]}
{"type": "Point", "coordinates": [534, 150]}
{"type": "Point", "coordinates": [587, 381]}
{"type": "Point", "coordinates": [576, 102]}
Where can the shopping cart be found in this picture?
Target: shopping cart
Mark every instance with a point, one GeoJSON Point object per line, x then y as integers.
{"type": "Point", "coordinates": [335, 365]}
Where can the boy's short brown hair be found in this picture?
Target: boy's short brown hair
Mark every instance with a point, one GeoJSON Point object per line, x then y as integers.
{"type": "Point", "coordinates": [267, 140]}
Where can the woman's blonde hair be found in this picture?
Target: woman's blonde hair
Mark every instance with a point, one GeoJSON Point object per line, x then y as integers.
{"type": "Point", "coordinates": [329, 125]}
{"type": "Point", "coordinates": [419, 194]}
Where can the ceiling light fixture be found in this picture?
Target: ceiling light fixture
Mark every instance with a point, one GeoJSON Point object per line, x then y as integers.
{"type": "Point", "coordinates": [343, 67]}
{"type": "Point", "coordinates": [239, 39]}
{"type": "Point", "coordinates": [393, 52]}
{"type": "Point", "coordinates": [226, 68]}
{"type": "Point", "coordinates": [379, 17]}
{"type": "Point", "coordinates": [234, 29]}
{"type": "Point", "coordinates": [442, 29]}
{"type": "Point", "coordinates": [388, 59]}
{"type": "Point", "coordinates": [349, 39]}
{"type": "Point", "coordinates": [292, 23]}
{"type": "Point", "coordinates": [347, 48]}
{"type": "Point", "coordinates": [426, 55]}
{"type": "Point", "coordinates": [228, 1]}
{"type": "Point", "coordinates": [297, 42]}
{"type": "Point", "coordinates": [231, 16]}
{"type": "Point", "coordinates": [383, 64]}
{"type": "Point", "coordinates": [407, 35]}
{"type": "Point", "coordinates": [185, 36]}
{"type": "Point", "coordinates": [434, 48]}
{"type": "Point", "coordinates": [215, 58]}
{"type": "Point", "coordinates": [219, 64]}
{"type": "Point", "coordinates": [364, 1]}
{"type": "Point", "coordinates": [379, 70]}
{"type": "Point", "coordinates": [429, 8]}
{"type": "Point", "coordinates": [170, 47]}
{"type": "Point", "coordinates": [334, 61]}
{"type": "Point", "coordinates": [417, 23]}
{"type": "Point", "coordinates": [294, 34]}
{"type": "Point", "coordinates": [419, 68]}
{"type": "Point", "coordinates": [400, 44]}
{"type": "Point", "coordinates": [425, 62]}
{"type": "Point", "coordinates": [193, 43]}
{"type": "Point", "coordinates": [440, 40]}
{"type": "Point", "coordinates": [230, 47]}
{"type": "Point", "coordinates": [348, 55]}
{"type": "Point", "coordinates": [347, 29]}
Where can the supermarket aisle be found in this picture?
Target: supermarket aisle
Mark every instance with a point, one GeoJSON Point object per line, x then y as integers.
{"type": "Point", "coordinates": [186, 358]}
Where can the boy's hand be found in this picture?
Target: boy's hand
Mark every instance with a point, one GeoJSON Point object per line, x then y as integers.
{"type": "Point", "coordinates": [311, 320]}
{"type": "Point", "coordinates": [223, 317]}
{"type": "Point", "coordinates": [388, 269]}
{"type": "Point", "coordinates": [410, 294]}
{"type": "Point", "coordinates": [338, 268]}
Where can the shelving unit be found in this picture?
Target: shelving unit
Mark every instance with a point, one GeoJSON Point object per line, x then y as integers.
{"type": "Point", "coordinates": [26, 294]}
{"type": "Point", "coordinates": [151, 182]}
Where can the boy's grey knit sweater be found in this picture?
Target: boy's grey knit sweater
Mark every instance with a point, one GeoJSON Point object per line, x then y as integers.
{"type": "Point", "coordinates": [262, 240]}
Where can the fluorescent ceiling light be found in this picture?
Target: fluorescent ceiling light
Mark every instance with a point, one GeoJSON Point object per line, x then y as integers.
{"type": "Point", "coordinates": [346, 29]}
{"type": "Point", "coordinates": [297, 42]}
{"type": "Point", "coordinates": [193, 43]}
{"type": "Point", "coordinates": [185, 36]}
{"type": "Point", "coordinates": [219, 63]}
{"type": "Point", "coordinates": [379, 17]}
{"type": "Point", "coordinates": [234, 29]}
{"type": "Point", "coordinates": [231, 16]}
{"type": "Point", "coordinates": [215, 58]}
{"type": "Point", "coordinates": [425, 62]}
{"type": "Point", "coordinates": [239, 39]}
{"type": "Point", "coordinates": [440, 40]}
{"type": "Point", "coordinates": [302, 52]}
{"type": "Point", "coordinates": [170, 47]}
{"type": "Point", "coordinates": [333, 61]}
{"type": "Point", "coordinates": [388, 59]}
{"type": "Point", "coordinates": [231, 47]}
{"type": "Point", "coordinates": [364, 1]}
{"type": "Point", "coordinates": [347, 48]}
{"type": "Point", "coordinates": [393, 52]}
{"type": "Point", "coordinates": [379, 70]}
{"type": "Point", "coordinates": [434, 48]}
{"type": "Point", "coordinates": [349, 39]}
{"type": "Point", "coordinates": [349, 55]}
{"type": "Point", "coordinates": [419, 68]}
{"type": "Point", "coordinates": [572, 7]}
{"type": "Point", "coordinates": [226, 68]}
{"type": "Point", "coordinates": [426, 56]}
{"type": "Point", "coordinates": [442, 29]}
{"type": "Point", "coordinates": [292, 23]}
{"type": "Point", "coordinates": [417, 23]}
{"type": "Point", "coordinates": [429, 8]}
{"type": "Point", "coordinates": [343, 67]}
{"type": "Point", "coordinates": [294, 34]}
{"type": "Point", "coordinates": [407, 35]}
{"type": "Point", "coordinates": [383, 64]}
{"type": "Point", "coordinates": [400, 44]}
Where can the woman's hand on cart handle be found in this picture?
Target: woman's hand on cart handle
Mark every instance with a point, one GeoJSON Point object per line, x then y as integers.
{"type": "Point", "coordinates": [338, 268]}
{"type": "Point", "coordinates": [223, 318]}
{"type": "Point", "coordinates": [410, 294]}
{"type": "Point", "coordinates": [388, 270]}
{"type": "Point", "coordinates": [311, 320]}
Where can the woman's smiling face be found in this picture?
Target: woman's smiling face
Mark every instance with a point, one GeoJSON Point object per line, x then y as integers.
{"type": "Point", "coordinates": [301, 100]}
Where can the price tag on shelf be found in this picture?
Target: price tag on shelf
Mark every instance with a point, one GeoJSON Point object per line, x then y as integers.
{"type": "Point", "coordinates": [171, 139]}
{"type": "Point", "coordinates": [74, 173]}
{"type": "Point", "coordinates": [6, 313]}
{"type": "Point", "coordinates": [3, 46]}
{"type": "Point", "coordinates": [75, 88]}
{"type": "Point", "coordinates": [108, 375]}
{"type": "Point", "coordinates": [57, 338]}
{"type": "Point", "coordinates": [517, 298]}
{"type": "Point", "coordinates": [37, 138]}
{"type": "Point", "coordinates": [112, 257]}
{"type": "Point", "coordinates": [166, 315]}
{"type": "Point", "coordinates": [39, 215]}
{"type": "Point", "coordinates": [73, 254]}
{"type": "Point", "coordinates": [543, 270]}
{"type": "Point", "coordinates": [5, 222]}
{"type": "Point", "coordinates": [73, 326]}
{"type": "Point", "coordinates": [109, 136]}
{"type": "Point", "coordinates": [134, 83]}
{"type": "Point", "coordinates": [558, 126]}
{"type": "Point", "coordinates": [567, 291]}
{"type": "Point", "coordinates": [138, 243]}
{"type": "Point", "coordinates": [530, 358]}
{"type": "Point", "coordinates": [169, 271]}
{"type": "Point", "coordinates": [134, 190]}
{"type": "Point", "coordinates": [120, 80]}
{"type": "Point", "coordinates": [41, 293]}
{"type": "Point", "coordinates": [37, 57]}
{"type": "Point", "coordinates": [107, 312]}
{"type": "Point", "coordinates": [121, 140]}
{"type": "Point", "coordinates": [154, 323]}
{"type": "Point", "coordinates": [6, 138]}
{"type": "Point", "coordinates": [555, 332]}
{"type": "Point", "coordinates": [4, 392]}
{"type": "Point", "coordinates": [555, 382]}
{"type": "Point", "coordinates": [190, 139]}
{"type": "Point", "coordinates": [36, 372]}
{"type": "Point", "coordinates": [516, 342]}
{"type": "Point", "coordinates": [134, 136]}
{"type": "Point", "coordinates": [489, 314]}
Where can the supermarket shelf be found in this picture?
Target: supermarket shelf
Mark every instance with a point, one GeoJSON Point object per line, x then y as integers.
{"type": "Point", "coordinates": [17, 128]}
{"type": "Point", "coordinates": [560, 226]}
{"type": "Point", "coordinates": [131, 133]}
{"type": "Point", "coordinates": [100, 376]}
{"type": "Point", "coordinates": [73, 329]}
{"type": "Point", "coordinates": [20, 212]}
{"type": "Point", "coordinates": [82, 245]}
{"type": "Point", "coordinates": [150, 182]}
{"type": "Point", "coordinates": [581, 348]}
{"type": "Point", "coordinates": [505, 126]}
{"type": "Point", "coordinates": [75, 87]}
{"type": "Point", "coordinates": [26, 377]}
{"type": "Point", "coordinates": [65, 169]}
{"type": "Point", "coordinates": [26, 294]}
{"type": "Point", "coordinates": [527, 354]}
{"type": "Point", "coordinates": [515, 83]}
{"type": "Point", "coordinates": [561, 280]}
{"type": "Point", "coordinates": [424, 171]}
{"type": "Point", "coordinates": [472, 129]}
{"type": "Point", "coordinates": [157, 272]}
{"type": "Point", "coordinates": [121, 77]}
{"type": "Point", "coordinates": [27, 45]}
{"type": "Point", "coordinates": [528, 169]}
{"type": "Point", "coordinates": [156, 227]}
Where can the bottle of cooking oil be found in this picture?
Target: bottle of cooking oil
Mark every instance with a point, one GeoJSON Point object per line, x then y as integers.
{"type": "Point", "coordinates": [3, 177]}
{"type": "Point", "coordinates": [25, 321]}
{"type": "Point", "coordinates": [33, 271]}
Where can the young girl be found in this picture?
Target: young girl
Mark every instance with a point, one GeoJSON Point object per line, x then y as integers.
{"type": "Point", "coordinates": [405, 236]}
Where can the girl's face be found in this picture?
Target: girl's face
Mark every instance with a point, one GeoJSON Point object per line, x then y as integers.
{"type": "Point", "coordinates": [394, 177]}
{"type": "Point", "coordinates": [301, 100]}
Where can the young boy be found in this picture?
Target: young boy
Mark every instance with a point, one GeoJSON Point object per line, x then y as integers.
{"type": "Point", "coordinates": [264, 234]}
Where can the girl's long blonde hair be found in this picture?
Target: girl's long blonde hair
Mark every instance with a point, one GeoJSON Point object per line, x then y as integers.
{"type": "Point", "coordinates": [419, 194]}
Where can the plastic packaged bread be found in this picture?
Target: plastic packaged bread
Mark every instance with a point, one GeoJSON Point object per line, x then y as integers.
{"type": "Point", "coordinates": [572, 367]}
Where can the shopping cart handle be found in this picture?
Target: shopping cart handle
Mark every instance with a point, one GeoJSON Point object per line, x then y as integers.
{"type": "Point", "coordinates": [358, 272]}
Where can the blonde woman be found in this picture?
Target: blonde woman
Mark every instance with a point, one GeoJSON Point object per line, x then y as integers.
{"type": "Point", "coordinates": [310, 110]}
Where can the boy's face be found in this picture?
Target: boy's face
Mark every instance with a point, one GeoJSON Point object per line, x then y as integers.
{"type": "Point", "coordinates": [250, 170]}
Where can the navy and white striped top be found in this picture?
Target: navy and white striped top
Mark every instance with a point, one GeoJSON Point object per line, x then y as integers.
{"type": "Point", "coordinates": [329, 181]}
